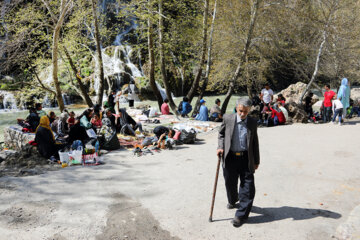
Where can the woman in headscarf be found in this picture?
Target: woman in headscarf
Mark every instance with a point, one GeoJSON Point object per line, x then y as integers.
{"type": "Point", "coordinates": [108, 140]}
{"type": "Point", "coordinates": [85, 118]}
{"type": "Point", "coordinates": [82, 123]}
{"type": "Point", "coordinates": [344, 95]}
{"type": "Point", "coordinates": [45, 139]}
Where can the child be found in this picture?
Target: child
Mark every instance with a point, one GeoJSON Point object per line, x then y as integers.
{"type": "Point", "coordinates": [166, 140]}
{"type": "Point", "coordinates": [71, 120]}
{"type": "Point", "coordinates": [337, 108]}
{"type": "Point", "coordinates": [96, 121]}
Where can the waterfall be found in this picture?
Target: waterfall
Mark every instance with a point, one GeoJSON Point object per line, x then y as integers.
{"type": "Point", "coordinates": [8, 100]}
{"type": "Point", "coordinates": [46, 103]}
{"type": "Point", "coordinates": [119, 66]}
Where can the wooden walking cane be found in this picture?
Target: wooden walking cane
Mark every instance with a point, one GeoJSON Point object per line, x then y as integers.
{"type": "Point", "coordinates": [214, 191]}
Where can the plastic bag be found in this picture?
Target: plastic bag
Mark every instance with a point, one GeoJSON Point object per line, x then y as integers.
{"type": "Point", "coordinates": [188, 137]}
{"type": "Point", "coordinates": [152, 112]}
{"type": "Point", "coordinates": [75, 156]}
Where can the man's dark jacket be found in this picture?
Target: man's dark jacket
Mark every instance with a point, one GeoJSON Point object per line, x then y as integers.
{"type": "Point", "coordinates": [225, 135]}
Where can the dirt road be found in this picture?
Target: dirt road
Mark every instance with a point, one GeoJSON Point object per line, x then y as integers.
{"type": "Point", "coordinates": [307, 187]}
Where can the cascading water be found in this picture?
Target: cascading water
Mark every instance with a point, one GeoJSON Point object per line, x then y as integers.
{"type": "Point", "coordinates": [118, 66]}
{"type": "Point", "coordinates": [7, 101]}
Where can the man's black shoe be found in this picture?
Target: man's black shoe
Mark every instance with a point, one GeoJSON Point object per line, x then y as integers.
{"type": "Point", "coordinates": [237, 222]}
{"type": "Point", "coordinates": [232, 206]}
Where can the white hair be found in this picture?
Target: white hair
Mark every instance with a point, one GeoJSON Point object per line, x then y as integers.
{"type": "Point", "coordinates": [244, 101]}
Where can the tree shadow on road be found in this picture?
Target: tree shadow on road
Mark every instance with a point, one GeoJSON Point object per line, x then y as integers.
{"type": "Point", "coordinates": [276, 214]}
{"type": "Point", "coordinates": [351, 122]}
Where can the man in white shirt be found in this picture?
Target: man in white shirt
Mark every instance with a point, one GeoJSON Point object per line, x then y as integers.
{"type": "Point", "coordinates": [267, 94]}
{"type": "Point", "coordinates": [266, 97]}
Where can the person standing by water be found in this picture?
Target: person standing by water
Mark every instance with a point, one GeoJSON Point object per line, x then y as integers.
{"type": "Point", "coordinates": [238, 145]}
{"type": "Point", "coordinates": [344, 95]}
{"type": "Point", "coordinates": [328, 96]}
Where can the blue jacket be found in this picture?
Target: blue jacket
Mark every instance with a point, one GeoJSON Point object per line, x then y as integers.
{"type": "Point", "coordinates": [186, 108]}
{"type": "Point", "coordinates": [203, 114]}
{"type": "Point", "coordinates": [344, 93]}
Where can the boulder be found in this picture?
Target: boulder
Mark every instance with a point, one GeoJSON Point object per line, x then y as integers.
{"type": "Point", "coordinates": [355, 93]}
{"type": "Point", "coordinates": [296, 112]}
{"type": "Point", "coordinates": [294, 92]}
{"type": "Point", "coordinates": [27, 157]}
{"type": "Point", "coordinates": [15, 139]}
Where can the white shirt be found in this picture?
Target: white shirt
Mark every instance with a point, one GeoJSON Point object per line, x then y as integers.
{"type": "Point", "coordinates": [336, 104]}
{"type": "Point", "coordinates": [267, 94]}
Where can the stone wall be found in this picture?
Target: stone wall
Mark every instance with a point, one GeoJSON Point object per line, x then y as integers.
{"type": "Point", "coordinates": [15, 139]}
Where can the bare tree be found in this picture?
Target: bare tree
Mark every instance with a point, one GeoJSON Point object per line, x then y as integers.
{"type": "Point", "coordinates": [333, 8]}
{"type": "Point", "coordinates": [208, 65]}
{"type": "Point", "coordinates": [239, 68]}
{"type": "Point", "coordinates": [83, 91]}
{"type": "Point", "coordinates": [195, 84]}
{"type": "Point", "coordinates": [100, 90]}
{"type": "Point", "coordinates": [152, 58]}
{"type": "Point", "coordinates": [65, 6]}
{"type": "Point", "coordinates": [162, 60]}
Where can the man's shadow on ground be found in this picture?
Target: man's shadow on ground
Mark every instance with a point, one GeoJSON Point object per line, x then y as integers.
{"type": "Point", "coordinates": [276, 214]}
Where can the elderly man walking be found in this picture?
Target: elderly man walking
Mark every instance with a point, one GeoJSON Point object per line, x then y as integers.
{"type": "Point", "coordinates": [238, 146]}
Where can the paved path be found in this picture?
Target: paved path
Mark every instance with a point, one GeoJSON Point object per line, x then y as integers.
{"type": "Point", "coordinates": [308, 187]}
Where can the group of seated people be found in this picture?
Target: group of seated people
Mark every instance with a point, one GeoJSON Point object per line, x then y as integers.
{"type": "Point", "coordinates": [185, 108]}
{"type": "Point", "coordinates": [53, 133]}
{"type": "Point", "coordinates": [272, 114]}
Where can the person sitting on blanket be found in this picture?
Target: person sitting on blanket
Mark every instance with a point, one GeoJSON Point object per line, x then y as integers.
{"type": "Point", "coordinates": [96, 121]}
{"type": "Point", "coordinates": [82, 123]}
{"type": "Point", "coordinates": [62, 129]}
{"type": "Point", "coordinates": [45, 139]}
{"type": "Point", "coordinates": [203, 114]}
{"type": "Point", "coordinates": [108, 139]}
{"type": "Point", "coordinates": [85, 118]}
{"type": "Point", "coordinates": [128, 124]}
{"type": "Point", "coordinates": [114, 119]}
{"type": "Point", "coordinates": [166, 140]}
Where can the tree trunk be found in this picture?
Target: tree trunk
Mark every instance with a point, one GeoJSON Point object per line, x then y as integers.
{"type": "Point", "coordinates": [100, 91]}
{"type": "Point", "coordinates": [56, 35]}
{"type": "Point", "coordinates": [324, 38]}
{"type": "Point", "coordinates": [254, 14]}
{"type": "Point", "coordinates": [208, 65]}
{"type": "Point", "coordinates": [162, 61]}
{"type": "Point", "coordinates": [152, 60]}
{"type": "Point", "coordinates": [83, 91]}
{"type": "Point", "coordinates": [196, 82]}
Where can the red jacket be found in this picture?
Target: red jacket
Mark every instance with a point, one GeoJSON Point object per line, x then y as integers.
{"type": "Point", "coordinates": [280, 115]}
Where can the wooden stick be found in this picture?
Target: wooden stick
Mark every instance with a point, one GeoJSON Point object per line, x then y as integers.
{"type": "Point", "coordinates": [214, 191]}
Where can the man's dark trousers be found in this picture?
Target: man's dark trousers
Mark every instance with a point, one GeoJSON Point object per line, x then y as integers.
{"type": "Point", "coordinates": [235, 167]}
